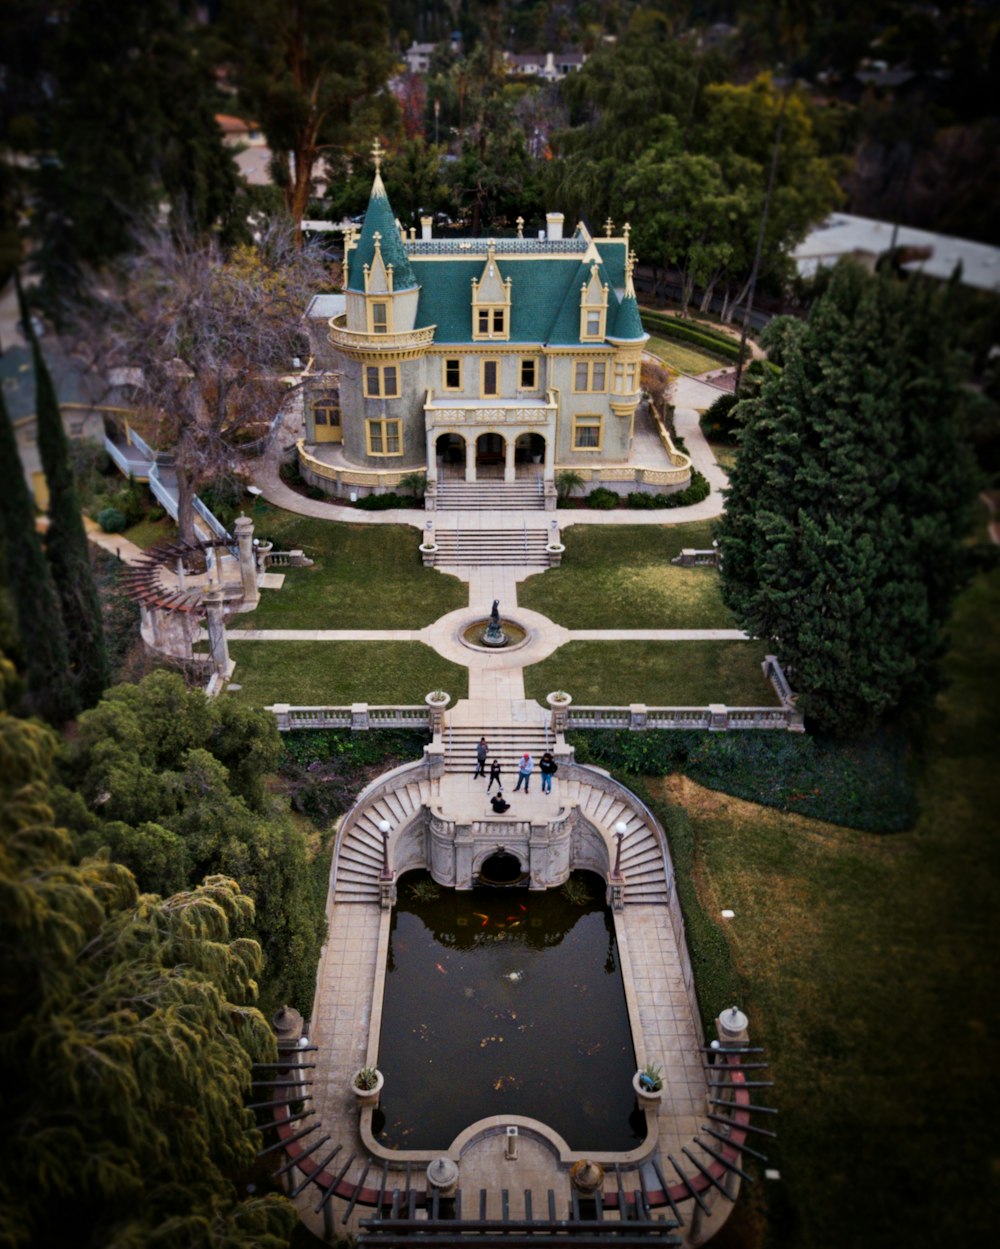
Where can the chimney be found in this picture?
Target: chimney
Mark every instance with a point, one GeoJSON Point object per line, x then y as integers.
{"type": "Point", "coordinates": [425, 227]}
{"type": "Point", "coordinates": [554, 224]}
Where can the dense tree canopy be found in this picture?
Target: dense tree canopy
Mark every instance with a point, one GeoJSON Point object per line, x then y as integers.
{"type": "Point", "coordinates": [848, 503]}
{"type": "Point", "coordinates": [172, 785]}
{"type": "Point", "coordinates": [127, 1033]}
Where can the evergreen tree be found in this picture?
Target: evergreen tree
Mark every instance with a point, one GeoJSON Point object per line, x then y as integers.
{"type": "Point", "coordinates": [39, 617]}
{"type": "Point", "coordinates": [127, 1033]}
{"type": "Point", "coordinates": [66, 544]}
{"type": "Point", "coordinates": [841, 540]}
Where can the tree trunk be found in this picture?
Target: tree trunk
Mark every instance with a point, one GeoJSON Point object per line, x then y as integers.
{"type": "Point", "coordinates": [706, 299]}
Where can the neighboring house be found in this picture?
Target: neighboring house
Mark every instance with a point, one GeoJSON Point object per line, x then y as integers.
{"type": "Point", "coordinates": [81, 418]}
{"type": "Point", "coordinates": [552, 66]}
{"type": "Point", "coordinates": [252, 155]}
{"type": "Point", "coordinates": [921, 251]}
{"type": "Point", "coordinates": [483, 355]}
{"type": "Point", "coordinates": [237, 132]}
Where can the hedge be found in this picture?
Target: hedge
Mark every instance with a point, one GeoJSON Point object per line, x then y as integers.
{"type": "Point", "coordinates": [671, 327]}
{"type": "Point", "coordinates": [863, 785]}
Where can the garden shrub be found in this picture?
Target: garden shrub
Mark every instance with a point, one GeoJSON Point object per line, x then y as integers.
{"type": "Point", "coordinates": [863, 784]}
{"type": "Point", "coordinates": [718, 422]}
{"type": "Point", "coordinates": [383, 502]}
{"type": "Point", "coordinates": [112, 520]}
{"type": "Point", "coordinates": [708, 340]}
{"type": "Point", "coordinates": [602, 499]}
{"type": "Point", "coordinates": [694, 493]}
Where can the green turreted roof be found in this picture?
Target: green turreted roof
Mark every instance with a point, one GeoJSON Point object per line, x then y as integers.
{"type": "Point", "coordinates": [380, 217]}
{"type": "Point", "coordinates": [627, 324]}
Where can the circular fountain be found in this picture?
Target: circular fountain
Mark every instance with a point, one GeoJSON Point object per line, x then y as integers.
{"type": "Point", "coordinates": [493, 633]}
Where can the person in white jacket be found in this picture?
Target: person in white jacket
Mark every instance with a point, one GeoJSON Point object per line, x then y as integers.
{"type": "Point", "coordinates": [524, 770]}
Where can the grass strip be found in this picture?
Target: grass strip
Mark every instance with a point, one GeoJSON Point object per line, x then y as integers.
{"type": "Point", "coordinates": [339, 673]}
{"type": "Point", "coordinates": [621, 576]}
{"type": "Point", "coordinates": [363, 577]}
{"type": "Point", "coordinates": [661, 674]}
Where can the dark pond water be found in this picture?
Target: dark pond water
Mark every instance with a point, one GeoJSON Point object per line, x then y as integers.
{"type": "Point", "coordinates": [502, 1001]}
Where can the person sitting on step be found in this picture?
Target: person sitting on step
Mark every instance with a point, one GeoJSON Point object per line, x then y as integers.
{"type": "Point", "coordinates": [498, 804]}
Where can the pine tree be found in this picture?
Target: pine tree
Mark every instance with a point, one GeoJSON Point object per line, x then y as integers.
{"type": "Point", "coordinates": [39, 616]}
{"type": "Point", "coordinates": [127, 1033]}
{"type": "Point", "coordinates": [66, 544]}
{"type": "Point", "coordinates": [848, 503]}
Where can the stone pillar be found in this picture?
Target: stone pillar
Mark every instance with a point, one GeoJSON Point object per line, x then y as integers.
{"type": "Point", "coordinates": [248, 564]}
{"type": "Point", "coordinates": [281, 714]}
{"type": "Point", "coordinates": [637, 714]}
{"type": "Point", "coordinates": [432, 464]}
{"type": "Point", "coordinates": [217, 630]}
{"type": "Point", "coordinates": [287, 1024]}
{"type": "Point", "coordinates": [359, 716]}
{"type": "Point", "coordinates": [587, 1178]}
{"type": "Point", "coordinates": [559, 701]}
{"type": "Point", "coordinates": [470, 456]}
{"type": "Point", "coordinates": [509, 469]}
{"type": "Point", "coordinates": [426, 225]}
{"type": "Point", "coordinates": [442, 1176]}
{"type": "Point", "coordinates": [549, 462]}
{"type": "Point", "coordinates": [718, 717]}
{"type": "Point", "coordinates": [437, 701]}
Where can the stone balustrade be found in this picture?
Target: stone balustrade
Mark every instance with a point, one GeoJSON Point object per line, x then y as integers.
{"type": "Point", "coordinates": [360, 340]}
{"type": "Point", "coordinates": [357, 716]}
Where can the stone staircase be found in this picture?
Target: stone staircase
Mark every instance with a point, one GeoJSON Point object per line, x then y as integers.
{"type": "Point", "coordinates": [524, 495]}
{"type": "Point", "coordinates": [507, 743]}
{"type": "Point", "coordinates": [519, 548]}
{"type": "Point", "coordinates": [359, 858]}
{"type": "Point", "coordinates": [642, 862]}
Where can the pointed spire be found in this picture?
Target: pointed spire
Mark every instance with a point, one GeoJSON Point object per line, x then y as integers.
{"type": "Point", "coordinates": [377, 153]}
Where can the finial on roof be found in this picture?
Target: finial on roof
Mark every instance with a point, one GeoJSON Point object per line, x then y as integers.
{"type": "Point", "coordinates": [377, 153]}
{"type": "Point", "coordinates": [609, 228]}
{"type": "Point", "coordinates": [631, 260]}
{"type": "Point", "coordinates": [625, 231]}
{"type": "Point", "coordinates": [520, 227]}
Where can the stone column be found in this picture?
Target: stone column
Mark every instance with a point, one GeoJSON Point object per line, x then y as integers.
{"type": "Point", "coordinates": [470, 455]}
{"type": "Point", "coordinates": [248, 564]}
{"type": "Point", "coordinates": [718, 717]}
{"type": "Point", "coordinates": [549, 462]}
{"type": "Point", "coordinates": [432, 464]}
{"type": "Point", "coordinates": [217, 630]}
{"type": "Point", "coordinates": [510, 447]}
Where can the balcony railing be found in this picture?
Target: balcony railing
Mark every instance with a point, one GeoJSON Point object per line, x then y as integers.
{"type": "Point", "coordinates": [355, 340]}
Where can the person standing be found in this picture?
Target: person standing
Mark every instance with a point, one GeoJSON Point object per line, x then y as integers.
{"type": "Point", "coordinates": [495, 776]}
{"type": "Point", "coordinates": [482, 750]}
{"type": "Point", "coordinates": [548, 767]}
{"type": "Point", "coordinates": [524, 771]}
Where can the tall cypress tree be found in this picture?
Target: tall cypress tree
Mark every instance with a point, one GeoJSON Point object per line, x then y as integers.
{"type": "Point", "coordinates": [39, 616]}
{"type": "Point", "coordinates": [66, 543]}
{"type": "Point", "coordinates": [841, 540]}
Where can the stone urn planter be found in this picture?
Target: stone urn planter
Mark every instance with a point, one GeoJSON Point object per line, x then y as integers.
{"type": "Point", "coordinates": [559, 701]}
{"type": "Point", "coordinates": [262, 550]}
{"type": "Point", "coordinates": [648, 1086]}
{"type": "Point", "coordinates": [366, 1085]}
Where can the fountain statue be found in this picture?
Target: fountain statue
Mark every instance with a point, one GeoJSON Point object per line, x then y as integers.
{"type": "Point", "coordinates": [494, 635]}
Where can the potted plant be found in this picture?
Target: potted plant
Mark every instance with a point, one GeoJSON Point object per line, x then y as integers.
{"type": "Point", "coordinates": [367, 1086]}
{"type": "Point", "coordinates": [437, 698]}
{"type": "Point", "coordinates": [648, 1085]}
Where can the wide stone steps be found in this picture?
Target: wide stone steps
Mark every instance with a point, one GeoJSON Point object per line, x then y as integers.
{"type": "Point", "coordinates": [507, 744]}
{"type": "Point", "coordinates": [492, 547]}
{"type": "Point", "coordinates": [491, 496]}
{"type": "Point", "coordinates": [642, 861]}
{"type": "Point", "coordinates": [359, 860]}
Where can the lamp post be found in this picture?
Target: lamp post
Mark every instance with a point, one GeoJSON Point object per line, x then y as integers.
{"type": "Point", "coordinates": [621, 828]}
{"type": "Point", "coordinates": [384, 827]}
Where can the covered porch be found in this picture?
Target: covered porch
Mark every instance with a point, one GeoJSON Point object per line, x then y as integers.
{"type": "Point", "coordinates": [489, 440]}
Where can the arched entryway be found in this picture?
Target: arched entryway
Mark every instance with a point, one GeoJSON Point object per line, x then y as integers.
{"type": "Point", "coordinates": [502, 869]}
{"type": "Point", "coordinates": [450, 452]}
{"type": "Point", "coordinates": [491, 457]}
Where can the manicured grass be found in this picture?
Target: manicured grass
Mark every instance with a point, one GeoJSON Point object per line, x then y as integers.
{"type": "Point", "coordinates": [149, 533]}
{"type": "Point", "coordinates": [622, 576]}
{"type": "Point", "coordinates": [338, 673]}
{"type": "Point", "coordinates": [725, 455]}
{"type": "Point", "coordinates": [684, 357]}
{"type": "Point", "coordinates": [363, 577]}
{"type": "Point", "coordinates": [661, 674]}
{"type": "Point", "coordinates": [869, 967]}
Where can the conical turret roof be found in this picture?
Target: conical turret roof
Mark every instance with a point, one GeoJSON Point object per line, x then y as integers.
{"type": "Point", "coordinates": [380, 219]}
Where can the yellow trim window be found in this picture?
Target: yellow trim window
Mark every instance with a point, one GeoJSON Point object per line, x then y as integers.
{"type": "Point", "coordinates": [625, 378]}
{"type": "Point", "coordinates": [383, 435]}
{"type": "Point", "coordinates": [381, 381]}
{"type": "Point", "coordinates": [326, 410]}
{"type": "Point", "coordinates": [490, 378]}
{"type": "Point", "coordinates": [590, 376]}
{"type": "Point", "coordinates": [453, 373]}
{"type": "Point", "coordinates": [491, 322]}
{"type": "Point", "coordinates": [379, 317]}
{"type": "Point", "coordinates": [587, 432]}
{"type": "Point", "coordinates": [528, 373]}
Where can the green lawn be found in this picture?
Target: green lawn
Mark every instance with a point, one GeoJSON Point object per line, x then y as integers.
{"type": "Point", "coordinates": [683, 356]}
{"type": "Point", "coordinates": [149, 533]}
{"type": "Point", "coordinates": [621, 575]}
{"type": "Point", "coordinates": [338, 673]}
{"type": "Point", "coordinates": [662, 674]}
{"type": "Point", "coordinates": [870, 969]}
{"type": "Point", "coordinates": [363, 577]}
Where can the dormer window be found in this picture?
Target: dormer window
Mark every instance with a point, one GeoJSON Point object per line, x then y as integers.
{"type": "Point", "coordinates": [593, 308]}
{"type": "Point", "coordinates": [490, 303]}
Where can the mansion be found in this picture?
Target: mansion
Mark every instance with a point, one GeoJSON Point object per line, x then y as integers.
{"type": "Point", "coordinates": [479, 360]}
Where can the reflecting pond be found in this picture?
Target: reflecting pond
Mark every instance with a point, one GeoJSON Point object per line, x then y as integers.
{"type": "Point", "coordinates": [501, 1002]}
